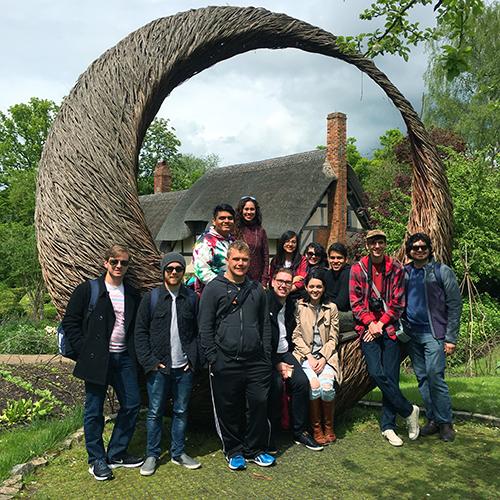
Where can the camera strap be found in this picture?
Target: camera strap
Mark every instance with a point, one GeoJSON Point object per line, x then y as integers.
{"type": "Point", "coordinates": [369, 278]}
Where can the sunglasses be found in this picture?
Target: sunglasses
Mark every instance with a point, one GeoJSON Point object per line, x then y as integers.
{"type": "Point", "coordinates": [288, 284]}
{"type": "Point", "coordinates": [416, 248]}
{"type": "Point", "coordinates": [114, 262]}
{"type": "Point", "coordinates": [311, 254]}
{"type": "Point", "coordinates": [248, 198]}
{"type": "Point", "coordinates": [177, 269]}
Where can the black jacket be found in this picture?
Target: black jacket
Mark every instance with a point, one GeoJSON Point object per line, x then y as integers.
{"type": "Point", "coordinates": [242, 334]}
{"type": "Point", "coordinates": [152, 331]}
{"type": "Point", "coordinates": [274, 307]}
{"type": "Point", "coordinates": [337, 287]}
{"type": "Point", "coordinates": [89, 337]}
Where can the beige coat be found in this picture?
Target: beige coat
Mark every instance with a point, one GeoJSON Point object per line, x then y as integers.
{"type": "Point", "coordinates": [328, 324]}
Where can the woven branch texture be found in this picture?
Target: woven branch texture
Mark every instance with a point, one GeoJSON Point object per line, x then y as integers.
{"type": "Point", "coordinates": [87, 191]}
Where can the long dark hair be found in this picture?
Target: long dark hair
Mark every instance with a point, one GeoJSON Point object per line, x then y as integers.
{"type": "Point", "coordinates": [320, 252]}
{"type": "Point", "coordinates": [240, 221]}
{"type": "Point", "coordinates": [279, 258]}
{"type": "Point", "coordinates": [317, 274]}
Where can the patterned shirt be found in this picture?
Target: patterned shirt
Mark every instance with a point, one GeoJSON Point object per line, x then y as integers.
{"type": "Point", "coordinates": [209, 257]}
{"type": "Point", "coordinates": [393, 294]}
{"type": "Point", "coordinates": [117, 296]}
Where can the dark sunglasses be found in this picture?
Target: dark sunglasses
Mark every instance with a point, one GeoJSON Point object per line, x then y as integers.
{"type": "Point", "coordinates": [416, 248]}
{"type": "Point", "coordinates": [114, 262]}
{"type": "Point", "coordinates": [311, 254]}
{"type": "Point", "coordinates": [177, 269]}
{"type": "Point", "coordinates": [248, 198]}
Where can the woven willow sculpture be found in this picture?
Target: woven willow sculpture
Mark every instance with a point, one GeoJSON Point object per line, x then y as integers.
{"type": "Point", "coordinates": [87, 192]}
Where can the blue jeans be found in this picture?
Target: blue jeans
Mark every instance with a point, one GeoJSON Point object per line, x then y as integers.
{"type": "Point", "coordinates": [122, 376]}
{"type": "Point", "coordinates": [383, 359]}
{"type": "Point", "coordinates": [429, 362]}
{"type": "Point", "coordinates": [160, 386]}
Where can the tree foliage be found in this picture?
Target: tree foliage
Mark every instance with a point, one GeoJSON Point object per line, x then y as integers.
{"type": "Point", "coordinates": [161, 143]}
{"type": "Point", "coordinates": [474, 181]}
{"type": "Point", "coordinates": [400, 32]}
{"type": "Point", "coordinates": [470, 103]}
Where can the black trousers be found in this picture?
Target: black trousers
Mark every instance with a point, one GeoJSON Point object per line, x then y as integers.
{"type": "Point", "coordinates": [299, 388]}
{"type": "Point", "coordinates": [239, 394]}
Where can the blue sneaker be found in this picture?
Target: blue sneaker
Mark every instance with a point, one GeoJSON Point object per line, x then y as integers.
{"type": "Point", "coordinates": [263, 459]}
{"type": "Point", "coordinates": [237, 462]}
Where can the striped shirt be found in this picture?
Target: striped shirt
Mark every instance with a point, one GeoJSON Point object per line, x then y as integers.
{"type": "Point", "coordinates": [117, 297]}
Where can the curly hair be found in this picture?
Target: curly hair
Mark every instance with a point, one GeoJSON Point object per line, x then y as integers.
{"type": "Point", "coordinates": [418, 237]}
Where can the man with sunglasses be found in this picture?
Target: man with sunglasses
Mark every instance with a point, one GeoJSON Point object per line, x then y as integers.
{"type": "Point", "coordinates": [210, 249]}
{"type": "Point", "coordinates": [376, 290]}
{"type": "Point", "coordinates": [166, 337]}
{"type": "Point", "coordinates": [286, 368]}
{"type": "Point", "coordinates": [101, 335]}
{"type": "Point", "coordinates": [432, 321]}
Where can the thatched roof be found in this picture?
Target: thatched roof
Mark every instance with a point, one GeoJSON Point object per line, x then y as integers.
{"type": "Point", "coordinates": [288, 189]}
{"type": "Point", "coordinates": [157, 206]}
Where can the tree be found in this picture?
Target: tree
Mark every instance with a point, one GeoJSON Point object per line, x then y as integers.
{"type": "Point", "coordinates": [19, 266]}
{"type": "Point", "coordinates": [161, 143]}
{"type": "Point", "coordinates": [399, 32]}
{"type": "Point", "coordinates": [470, 103]}
{"type": "Point", "coordinates": [23, 130]}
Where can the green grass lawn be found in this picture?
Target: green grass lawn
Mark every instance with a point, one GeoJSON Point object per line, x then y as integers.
{"type": "Point", "coordinates": [475, 394]}
{"type": "Point", "coordinates": [361, 464]}
{"type": "Point", "coordinates": [21, 444]}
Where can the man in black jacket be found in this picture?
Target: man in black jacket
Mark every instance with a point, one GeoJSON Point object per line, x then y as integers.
{"type": "Point", "coordinates": [167, 348]}
{"type": "Point", "coordinates": [102, 339]}
{"type": "Point", "coordinates": [337, 278]}
{"type": "Point", "coordinates": [286, 367]}
{"type": "Point", "coordinates": [236, 339]}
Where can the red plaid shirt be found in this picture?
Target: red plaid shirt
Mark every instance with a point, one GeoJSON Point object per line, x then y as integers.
{"type": "Point", "coordinates": [393, 295]}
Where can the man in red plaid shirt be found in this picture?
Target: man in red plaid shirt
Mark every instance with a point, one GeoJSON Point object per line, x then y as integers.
{"type": "Point", "coordinates": [377, 296]}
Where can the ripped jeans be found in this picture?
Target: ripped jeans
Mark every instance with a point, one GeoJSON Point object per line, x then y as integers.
{"type": "Point", "coordinates": [322, 385]}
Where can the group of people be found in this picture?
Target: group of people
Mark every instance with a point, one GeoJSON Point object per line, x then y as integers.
{"type": "Point", "coordinates": [269, 334]}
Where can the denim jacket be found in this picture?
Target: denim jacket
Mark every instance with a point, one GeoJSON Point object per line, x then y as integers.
{"type": "Point", "coordinates": [444, 303]}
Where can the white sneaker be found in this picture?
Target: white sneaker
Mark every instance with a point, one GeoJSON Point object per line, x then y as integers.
{"type": "Point", "coordinates": [392, 437]}
{"type": "Point", "coordinates": [412, 422]}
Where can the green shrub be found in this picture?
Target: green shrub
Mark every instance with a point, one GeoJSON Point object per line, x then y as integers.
{"type": "Point", "coordinates": [9, 302]}
{"type": "Point", "coordinates": [481, 336]}
{"type": "Point", "coordinates": [24, 337]}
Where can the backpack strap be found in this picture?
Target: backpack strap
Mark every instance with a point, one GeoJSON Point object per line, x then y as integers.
{"type": "Point", "coordinates": [437, 272]}
{"type": "Point", "coordinates": [94, 294]}
{"type": "Point", "coordinates": [153, 300]}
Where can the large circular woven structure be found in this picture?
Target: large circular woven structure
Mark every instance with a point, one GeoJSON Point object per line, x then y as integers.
{"type": "Point", "coordinates": [87, 191]}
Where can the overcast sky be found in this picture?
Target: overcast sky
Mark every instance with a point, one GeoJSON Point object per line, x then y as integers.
{"type": "Point", "coordinates": [254, 106]}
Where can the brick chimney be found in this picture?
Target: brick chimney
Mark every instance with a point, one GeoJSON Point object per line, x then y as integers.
{"type": "Point", "coordinates": [162, 178]}
{"type": "Point", "coordinates": [336, 155]}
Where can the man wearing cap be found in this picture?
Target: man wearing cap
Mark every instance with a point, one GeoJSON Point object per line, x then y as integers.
{"type": "Point", "coordinates": [167, 348]}
{"type": "Point", "coordinates": [376, 292]}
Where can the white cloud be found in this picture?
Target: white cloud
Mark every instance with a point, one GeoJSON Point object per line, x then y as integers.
{"type": "Point", "coordinates": [253, 106]}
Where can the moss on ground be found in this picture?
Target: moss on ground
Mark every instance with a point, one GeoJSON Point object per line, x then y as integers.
{"type": "Point", "coordinates": [359, 465]}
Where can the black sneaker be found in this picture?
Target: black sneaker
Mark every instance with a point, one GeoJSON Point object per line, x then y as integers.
{"type": "Point", "coordinates": [429, 428]}
{"type": "Point", "coordinates": [100, 470]}
{"type": "Point", "coordinates": [128, 461]}
{"type": "Point", "coordinates": [307, 440]}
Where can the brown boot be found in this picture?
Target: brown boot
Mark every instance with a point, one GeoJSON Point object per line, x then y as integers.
{"type": "Point", "coordinates": [315, 419]}
{"type": "Point", "coordinates": [328, 413]}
